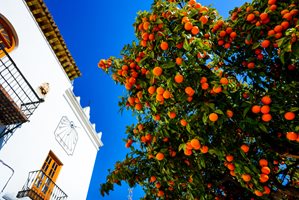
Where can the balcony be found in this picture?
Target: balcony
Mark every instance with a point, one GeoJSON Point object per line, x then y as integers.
{"type": "Point", "coordinates": [39, 186]}
{"type": "Point", "coordinates": [18, 100]}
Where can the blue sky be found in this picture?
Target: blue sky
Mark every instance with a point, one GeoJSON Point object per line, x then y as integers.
{"type": "Point", "coordinates": [95, 29]}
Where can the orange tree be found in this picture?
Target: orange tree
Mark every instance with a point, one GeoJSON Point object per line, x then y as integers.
{"type": "Point", "coordinates": [216, 100]}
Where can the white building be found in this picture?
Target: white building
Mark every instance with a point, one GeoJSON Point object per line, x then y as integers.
{"type": "Point", "coordinates": [47, 144]}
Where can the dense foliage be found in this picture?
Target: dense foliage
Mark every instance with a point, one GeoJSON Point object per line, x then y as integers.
{"type": "Point", "coordinates": [216, 100]}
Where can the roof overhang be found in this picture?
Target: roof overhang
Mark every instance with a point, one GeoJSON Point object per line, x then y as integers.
{"type": "Point", "coordinates": [44, 19]}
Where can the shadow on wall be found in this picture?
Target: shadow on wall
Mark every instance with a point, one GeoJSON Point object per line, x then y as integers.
{"type": "Point", "coordinates": [3, 138]}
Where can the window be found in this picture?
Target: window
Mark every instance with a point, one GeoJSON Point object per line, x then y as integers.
{"type": "Point", "coordinates": [45, 180]}
{"type": "Point", "coordinates": [8, 36]}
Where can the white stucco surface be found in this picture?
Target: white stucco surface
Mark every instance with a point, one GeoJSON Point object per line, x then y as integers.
{"type": "Point", "coordinates": [28, 148]}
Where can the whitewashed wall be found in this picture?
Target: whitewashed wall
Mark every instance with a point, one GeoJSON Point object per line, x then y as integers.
{"type": "Point", "coordinates": [27, 149]}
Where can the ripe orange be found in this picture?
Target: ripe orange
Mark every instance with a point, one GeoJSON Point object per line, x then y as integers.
{"type": "Point", "coordinates": [289, 115]}
{"type": "Point", "coordinates": [171, 115]}
{"type": "Point", "coordinates": [148, 137]}
{"type": "Point", "coordinates": [265, 109]}
{"type": "Point", "coordinates": [189, 99]}
{"type": "Point", "coordinates": [271, 2]}
{"type": "Point", "coordinates": [266, 100]}
{"type": "Point", "coordinates": [143, 43]}
{"type": "Point", "coordinates": [266, 190]}
{"type": "Point", "coordinates": [266, 117]}
{"type": "Point", "coordinates": [232, 173]}
{"type": "Point", "coordinates": [159, 156]}
{"type": "Point", "coordinates": [204, 149]}
{"type": "Point", "coordinates": [131, 100]}
{"type": "Point", "coordinates": [292, 136]}
{"type": "Point", "coordinates": [263, 162]}
{"type": "Point", "coordinates": [256, 109]}
{"type": "Point", "coordinates": [178, 61]}
{"type": "Point", "coordinates": [204, 86]}
{"type": "Point", "coordinates": [188, 26]}
{"type": "Point", "coordinates": [152, 179]}
{"type": "Point", "coordinates": [250, 17]}
{"type": "Point", "coordinates": [179, 78]}
{"type": "Point", "coordinates": [246, 177]}
{"type": "Point", "coordinates": [164, 46]}
{"type": "Point", "coordinates": [278, 35]}
{"type": "Point", "coordinates": [227, 45]}
{"type": "Point", "coordinates": [158, 185]}
{"type": "Point", "coordinates": [160, 98]}
{"type": "Point", "coordinates": [229, 113]}
{"type": "Point", "coordinates": [229, 30]}
{"type": "Point", "coordinates": [183, 122]}
{"type": "Point", "coordinates": [220, 42]}
{"type": "Point", "coordinates": [146, 25]}
{"type": "Point", "coordinates": [287, 16]}
{"type": "Point", "coordinates": [265, 170]}
{"type": "Point", "coordinates": [224, 81]}
{"type": "Point", "coordinates": [273, 7]}
{"type": "Point", "coordinates": [230, 166]}
{"type": "Point", "coordinates": [229, 158]}
{"type": "Point", "coordinates": [264, 178]}
{"type": "Point", "coordinates": [271, 32]}
{"type": "Point", "coordinates": [233, 34]}
{"type": "Point", "coordinates": [151, 89]}
{"type": "Point", "coordinates": [203, 80]}
{"type": "Point", "coordinates": [151, 37]}
{"type": "Point", "coordinates": [157, 117]}
{"type": "Point", "coordinates": [285, 24]}
{"type": "Point", "coordinates": [138, 106]}
{"type": "Point", "coordinates": [245, 148]}
{"type": "Point", "coordinates": [157, 71]}
{"type": "Point", "coordinates": [166, 94]}
{"type": "Point", "coordinates": [204, 19]}
{"type": "Point", "coordinates": [160, 90]}
{"type": "Point", "coordinates": [160, 193]}
{"type": "Point", "coordinates": [278, 28]}
{"type": "Point", "coordinates": [188, 152]}
{"type": "Point", "coordinates": [263, 16]}
{"type": "Point", "coordinates": [189, 91]}
{"type": "Point", "coordinates": [195, 30]}
{"type": "Point", "coordinates": [189, 146]}
{"type": "Point", "coordinates": [265, 43]}
{"type": "Point", "coordinates": [213, 117]}
{"type": "Point", "coordinates": [222, 33]}
{"type": "Point", "coordinates": [258, 193]}
{"type": "Point", "coordinates": [195, 144]}
{"type": "Point", "coordinates": [217, 89]}
{"type": "Point", "coordinates": [250, 65]}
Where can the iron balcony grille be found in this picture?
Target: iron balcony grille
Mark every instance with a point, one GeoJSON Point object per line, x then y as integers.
{"type": "Point", "coordinates": [39, 186]}
{"type": "Point", "coordinates": [18, 100]}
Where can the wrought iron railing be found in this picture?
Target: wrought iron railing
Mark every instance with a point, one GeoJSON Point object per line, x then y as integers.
{"type": "Point", "coordinates": [39, 186]}
{"type": "Point", "coordinates": [18, 98]}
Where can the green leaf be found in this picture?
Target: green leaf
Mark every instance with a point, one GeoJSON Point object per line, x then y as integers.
{"type": "Point", "coordinates": [202, 163]}
{"type": "Point", "coordinates": [188, 128]}
{"type": "Point", "coordinates": [182, 147]}
{"type": "Point", "coordinates": [245, 111]}
{"type": "Point", "coordinates": [255, 45]}
{"type": "Point", "coordinates": [186, 45]}
{"type": "Point", "coordinates": [295, 49]}
{"type": "Point", "coordinates": [263, 128]}
{"type": "Point", "coordinates": [280, 41]}
{"type": "Point", "coordinates": [294, 109]}
{"type": "Point", "coordinates": [218, 111]}
{"type": "Point", "coordinates": [205, 119]}
{"type": "Point", "coordinates": [211, 105]}
{"type": "Point", "coordinates": [281, 56]}
{"type": "Point", "coordinates": [169, 65]}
